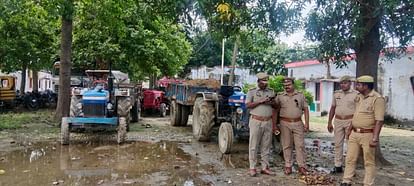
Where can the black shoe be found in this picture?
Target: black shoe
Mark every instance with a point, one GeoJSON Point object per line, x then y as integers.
{"type": "Point", "coordinates": [337, 170]}
{"type": "Point", "coordinates": [345, 184]}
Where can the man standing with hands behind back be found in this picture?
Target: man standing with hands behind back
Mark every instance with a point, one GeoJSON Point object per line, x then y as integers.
{"type": "Point", "coordinates": [292, 105]}
{"type": "Point", "coordinates": [343, 108]}
{"type": "Point", "coordinates": [365, 129]}
{"type": "Point", "coordinates": [260, 102]}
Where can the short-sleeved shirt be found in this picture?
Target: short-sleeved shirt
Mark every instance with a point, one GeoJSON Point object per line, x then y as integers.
{"type": "Point", "coordinates": [344, 102]}
{"type": "Point", "coordinates": [291, 106]}
{"type": "Point", "coordinates": [256, 94]}
{"type": "Point", "coordinates": [369, 109]}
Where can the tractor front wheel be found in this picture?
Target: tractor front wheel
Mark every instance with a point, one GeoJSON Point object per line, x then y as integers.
{"type": "Point", "coordinates": [225, 137]}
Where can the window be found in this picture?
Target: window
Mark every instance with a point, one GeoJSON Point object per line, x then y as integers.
{"type": "Point", "coordinates": [317, 91]}
{"type": "Point", "coordinates": [412, 82]}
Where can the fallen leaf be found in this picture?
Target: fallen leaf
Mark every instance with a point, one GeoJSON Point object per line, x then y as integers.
{"type": "Point", "coordinates": [402, 173]}
{"type": "Point", "coordinates": [2, 171]}
{"type": "Point", "coordinates": [145, 158]}
{"type": "Point", "coordinates": [100, 182]}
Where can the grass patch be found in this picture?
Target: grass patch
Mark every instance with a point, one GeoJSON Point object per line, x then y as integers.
{"type": "Point", "coordinates": [19, 120]}
{"type": "Point", "coordinates": [318, 120]}
{"type": "Point", "coordinates": [14, 121]}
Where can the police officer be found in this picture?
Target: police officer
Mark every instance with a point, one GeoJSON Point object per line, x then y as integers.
{"type": "Point", "coordinates": [364, 130]}
{"type": "Point", "coordinates": [343, 107]}
{"type": "Point", "coordinates": [292, 105]}
{"type": "Point", "coordinates": [260, 102]}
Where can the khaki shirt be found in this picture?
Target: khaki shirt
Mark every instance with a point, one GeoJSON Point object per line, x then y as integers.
{"type": "Point", "coordinates": [369, 109]}
{"type": "Point", "coordinates": [291, 106]}
{"type": "Point", "coordinates": [256, 94]}
{"type": "Point", "coordinates": [344, 102]}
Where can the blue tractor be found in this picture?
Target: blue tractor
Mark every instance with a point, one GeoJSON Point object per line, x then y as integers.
{"type": "Point", "coordinates": [109, 102]}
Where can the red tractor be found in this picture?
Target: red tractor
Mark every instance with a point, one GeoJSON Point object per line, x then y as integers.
{"type": "Point", "coordinates": [154, 101]}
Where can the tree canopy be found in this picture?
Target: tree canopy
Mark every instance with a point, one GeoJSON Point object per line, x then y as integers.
{"type": "Point", "coordinates": [365, 27]}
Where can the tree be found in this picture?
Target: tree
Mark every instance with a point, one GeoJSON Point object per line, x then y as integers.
{"type": "Point", "coordinates": [27, 33]}
{"type": "Point", "coordinates": [364, 26]}
{"type": "Point", "coordinates": [227, 19]}
{"type": "Point", "coordinates": [67, 14]}
{"type": "Point", "coordinates": [134, 35]}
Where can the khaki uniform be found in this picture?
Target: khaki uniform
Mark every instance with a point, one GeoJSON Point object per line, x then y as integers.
{"type": "Point", "coordinates": [369, 109]}
{"type": "Point", "coordinates": [291, 107]}
{"type": "Point", "coordinates": [260, 130]}
{"type": "Point", "coordinates": [344, 103]}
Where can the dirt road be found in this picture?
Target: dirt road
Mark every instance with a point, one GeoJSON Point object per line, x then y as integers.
{"type": "Point", "coordinates": [158, 154]}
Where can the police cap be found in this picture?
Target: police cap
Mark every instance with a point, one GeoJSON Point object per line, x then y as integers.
{"type": "Point", "coordinates": [345, 78]}
{"type": "Point", "coordinates": [365, 79]}
{"type": "Point", "coordinates": [262, 76]}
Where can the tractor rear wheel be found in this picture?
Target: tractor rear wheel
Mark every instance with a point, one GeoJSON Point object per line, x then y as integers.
{"type": "Point", "coordinates": [225, 137]}
{"type": "Point", "coordinates": [136, 111]}
{"type": "Point", "coordinates": [64, 132]}
{"type": "Point", "coordinates": [122, 130]}
{"type": "Point", "coordinates": [175, 113]}
{"type": "Point", "coordinates": [203, 119]}
{"type": "Point", "coordinates": [185, 112]}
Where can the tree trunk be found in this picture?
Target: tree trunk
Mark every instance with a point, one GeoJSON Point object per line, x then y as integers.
{"type": "Point", "coordinates": [35, 79]}
{"type": "Point", "coordinates": [328, 70]}
{"type": "Point", "coordinates": [63, 105]}
{"type": "Point", "coordinates": [23, 80]}
{"type": "Point", "coordinates": [368, 50]}
{"type": "Point", "coordinates": [233, 60]}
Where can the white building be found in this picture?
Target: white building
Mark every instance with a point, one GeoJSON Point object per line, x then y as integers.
{"type": "Point", "coordinates": [242, 75]}
{"type": "Point", "coordinates": [44, 78]}
{"type": "Point", "coordinates": [395, 83]}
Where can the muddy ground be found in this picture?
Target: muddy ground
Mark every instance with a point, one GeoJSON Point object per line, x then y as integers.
{"type": "Point", "coordinates": [158, 154]}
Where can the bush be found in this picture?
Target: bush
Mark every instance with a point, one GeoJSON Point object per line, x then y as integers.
{"type": "Point", "coordinates": [276, 83]}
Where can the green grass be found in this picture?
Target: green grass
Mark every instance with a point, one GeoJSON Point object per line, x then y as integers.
{"type": "Point", "coordinates": [19, 120]}
{"type": "Point", "coordinates": [318, 120]}
{"type": "Point", "coordinates": [14, 121]}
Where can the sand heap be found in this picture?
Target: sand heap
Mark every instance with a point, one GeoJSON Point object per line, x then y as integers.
{"type": "Point", "coordinates": [210, 83]}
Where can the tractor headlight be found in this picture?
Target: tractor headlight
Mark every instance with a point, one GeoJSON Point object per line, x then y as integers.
{"type": "Point", "coordinates": [109, 106]}
{"type": "Point", "coordinates": [239, 110]}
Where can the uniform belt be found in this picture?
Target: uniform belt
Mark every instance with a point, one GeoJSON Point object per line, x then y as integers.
{"type": "Point", "coordinates": [345, 117]}
{"type": "Point", "coordinates": [291, 120]}
{"type": "Point", "coordinates": [261, 118]}
{"type": "Point", "coordinates": [362, 130]}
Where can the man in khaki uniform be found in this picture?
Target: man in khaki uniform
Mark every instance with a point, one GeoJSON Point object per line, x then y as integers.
{"type": "Point", "coordinates": [343, 108]}
{"type": "Point", "coordinates": [364, 130]}
{"type": "Point", "coordinates": [260, 102]}
{"type": "Point", "coordinates": [292, 105]}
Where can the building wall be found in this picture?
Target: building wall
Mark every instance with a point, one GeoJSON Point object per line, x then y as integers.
{"type": "Point", "coordinates": [393, 83]}
{"type": "Point", "coordinates": [397, 88]}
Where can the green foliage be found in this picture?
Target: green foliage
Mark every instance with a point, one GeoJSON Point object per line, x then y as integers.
{"type": "Point", "coordinates": [342, 25]}
{"type": "Point", "coordinates": [276, 83]}
{"type": "Point", "coordinates": [247, 87]}
{"type": "Point", "coordinates": [134, 35]}
{"type": "Point", "coordinates": [27, 34]}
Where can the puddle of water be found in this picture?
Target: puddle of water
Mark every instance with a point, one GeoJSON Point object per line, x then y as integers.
{"type": "Point", "coordinates": [91, 164]}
